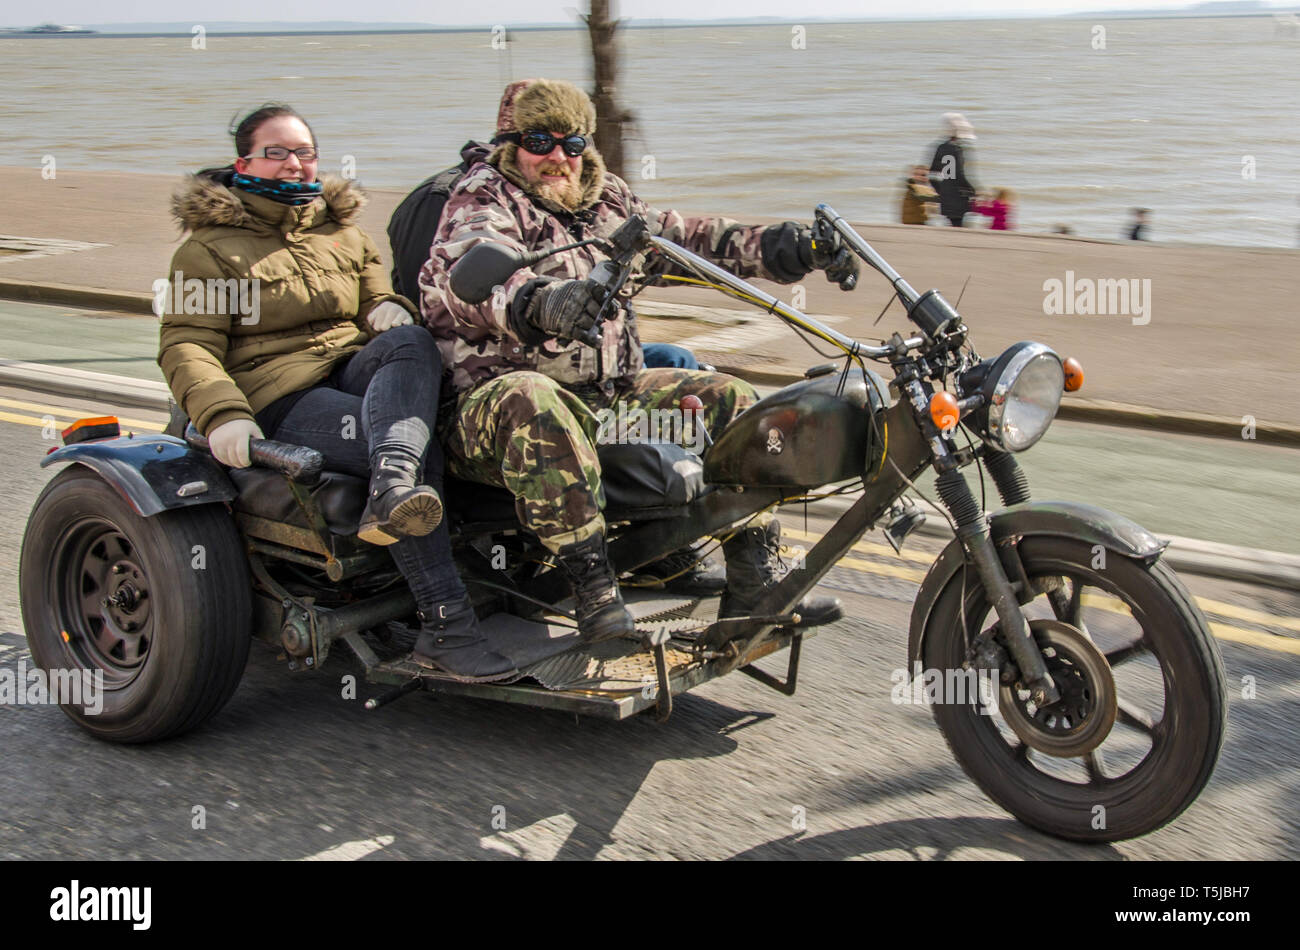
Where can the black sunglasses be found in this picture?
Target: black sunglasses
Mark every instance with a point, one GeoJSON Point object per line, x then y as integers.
{"type": "Point", "coordinates": [543, 143]}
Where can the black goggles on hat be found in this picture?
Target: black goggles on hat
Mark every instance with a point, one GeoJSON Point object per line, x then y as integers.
{"type": "Point", "coordinates": [543, 143]}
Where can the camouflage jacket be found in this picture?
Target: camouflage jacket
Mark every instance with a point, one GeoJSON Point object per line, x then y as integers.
{"type": "Point", "coordinates": [477, 342]}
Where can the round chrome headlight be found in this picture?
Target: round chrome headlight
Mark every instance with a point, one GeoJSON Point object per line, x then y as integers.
{"type": "Point", "coordinates": [1022, 392]}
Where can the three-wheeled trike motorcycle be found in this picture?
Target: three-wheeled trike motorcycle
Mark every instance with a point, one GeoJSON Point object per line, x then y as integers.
{"type": "Point", "coordinates": [148, 563]}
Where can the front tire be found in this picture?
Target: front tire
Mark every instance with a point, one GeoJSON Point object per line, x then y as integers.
{"type": "Point", "coordinates": [157, 609]}
{"type": "Point", "coordinates": [1167, 674]}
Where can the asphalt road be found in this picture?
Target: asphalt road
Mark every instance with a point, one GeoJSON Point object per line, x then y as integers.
{"type": "Point", "coordinates": [290, 769]}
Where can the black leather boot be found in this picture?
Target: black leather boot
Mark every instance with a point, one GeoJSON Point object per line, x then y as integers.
{"type": "Point", "coordinates": [754, 565]}
{"type": "Point", "coordinates": [451, 642]}
{"type": "Point", "coordinates": [602, 614]}
{"type": "Point", "coordinates": [685, 572]}
{"type": "Point", "coordinates": [397, 507]}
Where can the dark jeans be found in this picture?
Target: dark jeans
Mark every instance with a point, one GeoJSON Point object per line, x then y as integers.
{"type": "Point", "coordinates": [384, 399]}
{"type": "Point", "coordinates": [668, 356]}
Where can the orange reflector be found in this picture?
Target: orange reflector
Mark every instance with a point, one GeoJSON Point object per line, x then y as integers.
{"type": "Point", "coordinates": [96, 427]}
{"type": "Point", "coordinates": [1073, 375]}
{"type": "Point", "coordinates": [66, 638]}
{"type": "Point", "coordinates": [944, 411]}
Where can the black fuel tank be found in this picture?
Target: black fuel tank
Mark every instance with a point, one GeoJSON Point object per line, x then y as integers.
{"type": "Point", "coordinates": [808, 434]}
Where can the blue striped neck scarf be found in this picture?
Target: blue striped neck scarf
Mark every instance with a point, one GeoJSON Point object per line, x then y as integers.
{"type": "Point", "coordinates": [285, 192]}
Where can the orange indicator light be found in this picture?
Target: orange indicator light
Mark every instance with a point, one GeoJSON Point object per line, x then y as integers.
{"type": "Point", "coordinates": [944, 411]}
{"type": "Point", "coordinates": [1073, 375]}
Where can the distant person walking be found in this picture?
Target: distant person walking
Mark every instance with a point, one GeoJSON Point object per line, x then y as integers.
{"type": "Point", "coordinates": [950, 168]}
{"type": "Point", "coordinates": [919, 199]}
{"type": "Point", "coordinates": [1139, 230]}
{"type": "Point", "coordinates": [1000, 207]}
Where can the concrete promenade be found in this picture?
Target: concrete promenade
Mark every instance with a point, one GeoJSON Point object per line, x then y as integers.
{"type": "Point", "coordinates": [1210, 338]}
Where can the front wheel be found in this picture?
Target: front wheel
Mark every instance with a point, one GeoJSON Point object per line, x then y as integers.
{"type": "Point", "coordinates": [141, 624]}
{"type": "Point", "coordinates": [1143, 710]}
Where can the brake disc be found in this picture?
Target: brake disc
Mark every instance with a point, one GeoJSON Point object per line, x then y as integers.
{"type": "Point", "coordinates": [1082, 718]}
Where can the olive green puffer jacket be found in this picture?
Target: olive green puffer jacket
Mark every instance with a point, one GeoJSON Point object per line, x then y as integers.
{"type": "Point", "coordinates": [312, 277]}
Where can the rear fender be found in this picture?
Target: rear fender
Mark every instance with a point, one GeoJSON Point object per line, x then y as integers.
{"type": "Point", "coordinates": [1066, 519]}
{"type": "Point", "coordinates": [153, 473]}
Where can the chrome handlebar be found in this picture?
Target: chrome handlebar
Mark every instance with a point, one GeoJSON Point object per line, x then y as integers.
{"type": "Point", "coordinates": [868, 253]}
{"type": "Point", "coordinates": [850, 346]}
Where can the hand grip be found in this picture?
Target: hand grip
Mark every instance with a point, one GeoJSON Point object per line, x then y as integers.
{"type": "Point", "coordinates": [294, 461]}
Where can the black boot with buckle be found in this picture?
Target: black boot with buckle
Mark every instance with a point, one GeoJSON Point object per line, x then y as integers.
{"type": "Point", "coordinates": [602, 614]}
{"type": "Point", "coordinates": [451, 642]}
{"type": "Point", "coordinates": [397, 507]}
{"type": "Point", "coordinates": [754, 565]}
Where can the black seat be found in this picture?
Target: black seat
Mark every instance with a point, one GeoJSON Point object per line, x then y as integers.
{"type": "Point", "coordinates": [266, 494]}
{"type": "Point", "coordinates": [642, 481]}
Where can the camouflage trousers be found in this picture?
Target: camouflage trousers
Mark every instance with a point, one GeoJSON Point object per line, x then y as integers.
{"type": "Point", "coordinates": [525, 432]}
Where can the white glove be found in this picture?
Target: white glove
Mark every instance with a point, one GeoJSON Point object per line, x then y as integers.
{"type": "Point", "coordinates": [229, 441]}
{"type": "Point", "coordinates": [388, 315]}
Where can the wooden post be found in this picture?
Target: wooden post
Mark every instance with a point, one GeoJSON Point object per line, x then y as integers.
{"type": "Point", "coordinates": [610, 118]}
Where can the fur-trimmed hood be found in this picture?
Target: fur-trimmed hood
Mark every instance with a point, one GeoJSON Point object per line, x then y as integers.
{"type": "Point", "coordinates": [556, 106]}
{"type": "Point", "coordinates": [205, 199]}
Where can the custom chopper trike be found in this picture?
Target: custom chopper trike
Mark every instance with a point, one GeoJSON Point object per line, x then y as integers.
{"type": "Point", "coordinates": [150, 564]}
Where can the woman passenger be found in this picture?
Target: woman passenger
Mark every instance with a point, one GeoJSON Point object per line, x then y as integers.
{"type": "Point", "coordinates": [330, 358]}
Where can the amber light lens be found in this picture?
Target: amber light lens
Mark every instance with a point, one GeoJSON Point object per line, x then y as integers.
{"type": "Point", "coordinates": [97, 427]}
{"type": "Point", "coordinates": [944, 411]}
{"type": "Point", "coordinates": [1073, 375]}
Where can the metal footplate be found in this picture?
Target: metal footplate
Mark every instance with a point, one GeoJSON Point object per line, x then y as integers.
{"type": "Point", "coordinates": [611, 680]}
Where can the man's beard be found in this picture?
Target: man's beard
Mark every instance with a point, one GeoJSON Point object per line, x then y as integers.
{"type": "Point", "coordinates": [566, 194]}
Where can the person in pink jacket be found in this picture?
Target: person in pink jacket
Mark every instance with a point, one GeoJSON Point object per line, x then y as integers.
{"type": "Point", "coordinates": [1000, 208]}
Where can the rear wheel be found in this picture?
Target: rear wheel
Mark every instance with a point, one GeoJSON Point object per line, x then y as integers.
{"type": "Point", "coordinates": [1143, 711]}
{"type": "Point", "coordinates": [156, 609]}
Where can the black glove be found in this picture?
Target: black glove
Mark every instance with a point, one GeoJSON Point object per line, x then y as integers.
{"type": "Point", "coordinates": [564, 309]}
{"type": "Point", "coordinates": [830, 255]}
{"type": "Point", "coordinates": [789, 255]}
{"type": "Point", "coordinates": [779, 246]}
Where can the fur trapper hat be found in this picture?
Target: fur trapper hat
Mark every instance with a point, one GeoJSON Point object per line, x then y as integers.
{"type": "Point", "coordinates": [548, 105]}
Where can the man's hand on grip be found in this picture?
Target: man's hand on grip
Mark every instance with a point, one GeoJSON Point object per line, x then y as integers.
{"type": "Point", "coordinates": [566, 309]}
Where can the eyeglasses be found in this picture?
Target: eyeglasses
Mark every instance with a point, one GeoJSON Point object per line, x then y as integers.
{"type": "Point", "coordinates": [543, 143]}
{"type": "Point", "coordinates": [278, 153]}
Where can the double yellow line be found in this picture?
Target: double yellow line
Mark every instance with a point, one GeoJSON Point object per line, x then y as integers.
{"type": "Point", "coordinates": [60, 416]}
{"type": "Point", "coordinates": [1218, 608]}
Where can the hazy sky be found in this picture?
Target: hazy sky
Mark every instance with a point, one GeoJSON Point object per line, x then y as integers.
{"type": "Point", "coordinates": [487, 12]}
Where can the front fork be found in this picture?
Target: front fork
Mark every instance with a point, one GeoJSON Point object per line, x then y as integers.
{"type": "Point", "coordinates": [977, 540]}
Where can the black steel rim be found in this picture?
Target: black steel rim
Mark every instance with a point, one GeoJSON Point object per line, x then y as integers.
{"type": "Point", "coordinates": [105, 603]}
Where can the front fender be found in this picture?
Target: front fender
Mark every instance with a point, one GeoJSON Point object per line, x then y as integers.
{"type": "Point", "coordinates": [153, 473]}
{"type": "Point", "coordinates": [1067, 519]}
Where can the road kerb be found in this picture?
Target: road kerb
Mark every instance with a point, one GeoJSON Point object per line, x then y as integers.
{"type": "Point", "coordinates": [1190, 555]}
{"type": "Point", "coordinates": [65, 381]}
{"type": "Point", "coordinates": [1100, 412]}
{"type": "Point", "coordinates": [75, 295]}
